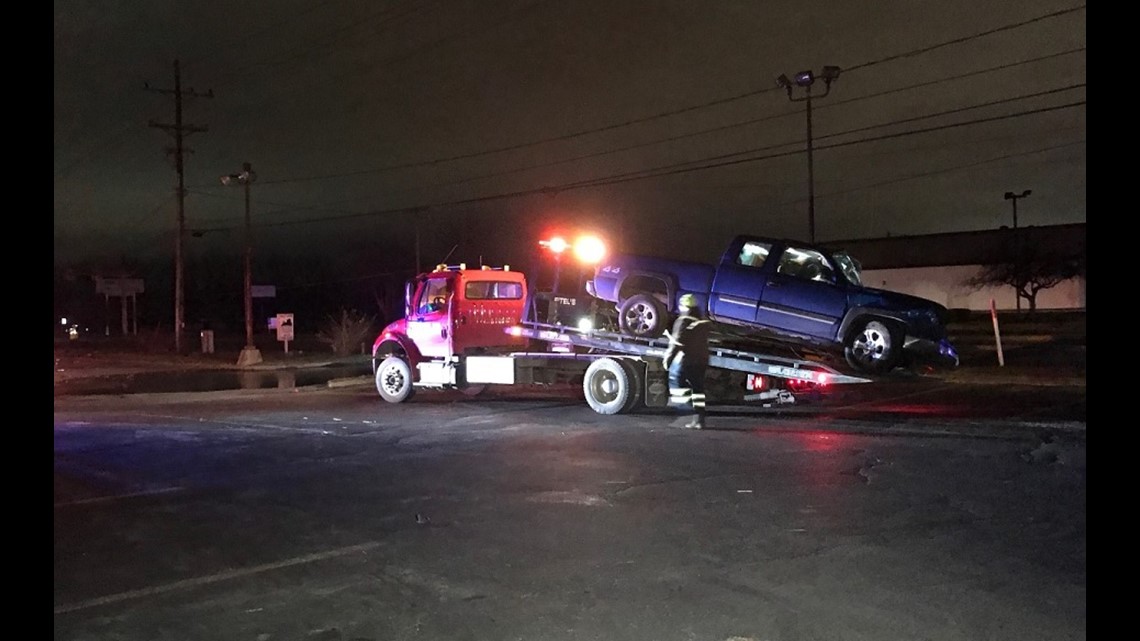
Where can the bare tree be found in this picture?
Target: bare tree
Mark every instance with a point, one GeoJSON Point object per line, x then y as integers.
{"type": "Point", "coordinates": [1029, 270]}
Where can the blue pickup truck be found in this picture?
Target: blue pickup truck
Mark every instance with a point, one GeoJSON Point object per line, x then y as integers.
{"type": "Point", "coordinates": [783, 290]}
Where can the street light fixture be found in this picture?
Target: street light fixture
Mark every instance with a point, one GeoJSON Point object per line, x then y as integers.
{"type": "Point", "coordinates": [1009, 195]}
{"type": "Point", "coordinates": [249, 355]}
{"type": "Point", "coordinates": [805, 80]}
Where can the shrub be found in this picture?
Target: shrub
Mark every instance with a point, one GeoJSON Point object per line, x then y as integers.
{"type": "Point", "coordinates": [347, 333]}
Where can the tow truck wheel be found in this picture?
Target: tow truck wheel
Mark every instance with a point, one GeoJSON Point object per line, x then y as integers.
{"type": "Point", "coordinates": [636, 374]}
{"type": "Point", "coordinates": [607, 386]}
{"type": "Point", "coordinates": [394, 380]}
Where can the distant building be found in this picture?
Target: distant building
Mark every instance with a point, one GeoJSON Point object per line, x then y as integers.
{"type": "Point", "coordinates": [935, 266]}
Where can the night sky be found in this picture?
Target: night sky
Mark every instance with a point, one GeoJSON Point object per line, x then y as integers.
{"type": "Point", "coordinates": [483, 125]}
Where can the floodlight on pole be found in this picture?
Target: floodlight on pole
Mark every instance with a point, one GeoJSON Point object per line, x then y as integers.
{"type": "Point", "coordinates": [805, 80]}
{"type": "Point", "coordinates": [1009, 195]}
{"type": "Point", "coordinates": [249, 355]}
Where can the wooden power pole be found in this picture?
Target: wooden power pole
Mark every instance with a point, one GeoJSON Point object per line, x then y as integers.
{"type": "Point", "coordinates": [179, 130]}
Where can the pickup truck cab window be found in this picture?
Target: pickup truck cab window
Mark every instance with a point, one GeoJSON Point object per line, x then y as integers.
{"type": "Point", "coordinates": [753, 254]}
{"type": "Point", "coordinates": [807, 264]}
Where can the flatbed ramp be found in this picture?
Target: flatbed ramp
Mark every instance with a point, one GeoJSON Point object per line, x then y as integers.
{"type": "Point", "coordinates": [719, 357]}
{"type": "Point", "coordinates": [622, 373]}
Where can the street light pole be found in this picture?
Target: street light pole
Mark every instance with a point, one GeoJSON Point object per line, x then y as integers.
{"type": "Point", "coordinates": [249, 355]}
{"type": "Point", "coordinates": [1013, 198]}
{"type": "Point", "coordinates": [1009, 195]}
{"type": "Point", "coordinates": [805, 80]}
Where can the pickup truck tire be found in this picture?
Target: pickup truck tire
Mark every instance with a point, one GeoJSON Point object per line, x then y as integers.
{"type": "Point", "coordinates": [874, 346]}
{"type": "Point", "coordinates": [608, 386]}
{"type": "Point", "coordinates": [642, 315]}
{"type": "Point", "coordinates": [394, 380]}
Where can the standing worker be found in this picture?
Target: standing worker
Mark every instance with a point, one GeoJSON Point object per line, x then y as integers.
{"type": "Point", "coordinates": [687, 358]}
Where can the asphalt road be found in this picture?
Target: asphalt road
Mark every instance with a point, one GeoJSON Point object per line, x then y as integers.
{"type": "Point", "coordinates": [919, 510]}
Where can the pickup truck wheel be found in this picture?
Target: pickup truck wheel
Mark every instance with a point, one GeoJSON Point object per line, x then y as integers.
{"type": "Point", "coordinates": [874, 347]}
{"type": "Point", "coordinates": [642, 315]}
{"type": "Point", "coordinates": [607, 386]}
{"type": "Point", "coordinates": [394, 380]}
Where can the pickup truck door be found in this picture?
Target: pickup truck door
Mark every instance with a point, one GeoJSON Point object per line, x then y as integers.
{"type": "Point", "coordinates": [739, 283]}
{"type": "Point", "coordinates": [801, 295]}
{"type": "Point", "coordinates": [429, 325]}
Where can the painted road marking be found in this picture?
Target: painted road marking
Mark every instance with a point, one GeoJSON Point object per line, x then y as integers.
{"type": "Point", "coordinates": [115, 497]}
{"type": "Point", "coordinates": [213, 578]}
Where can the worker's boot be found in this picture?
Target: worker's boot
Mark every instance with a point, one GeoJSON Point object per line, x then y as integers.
{"type": "Point", "coordinates": [697, 422]}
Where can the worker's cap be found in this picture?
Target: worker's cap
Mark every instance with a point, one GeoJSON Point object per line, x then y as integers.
{"type": "Point", "coordinates": [688, 301]}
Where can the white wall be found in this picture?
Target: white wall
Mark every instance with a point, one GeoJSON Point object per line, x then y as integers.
{"type": "Point", "coordinates": [944, 285]}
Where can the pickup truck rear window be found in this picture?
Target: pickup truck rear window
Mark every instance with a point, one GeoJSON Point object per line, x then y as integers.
{"type": "Point", "coordinates": [753, 254]}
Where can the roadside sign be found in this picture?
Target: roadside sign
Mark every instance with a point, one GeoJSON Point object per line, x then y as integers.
{"type": "Point", "coordinates": [118, 286]}
{"type": "Point", "coordinates": [285, 327]}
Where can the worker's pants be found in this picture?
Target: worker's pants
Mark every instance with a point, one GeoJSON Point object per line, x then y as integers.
{"type": "Point", "coordinates": [687, 388]}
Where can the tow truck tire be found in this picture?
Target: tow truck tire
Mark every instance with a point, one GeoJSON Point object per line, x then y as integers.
{"type": "Point", "coordinates": [607, 386]}
{"type": "Point", "coordinates": [394, 380]}
{"type": "Point", "coordinates": [643, 316]}
{"type": "Point", "coordinates": [636, 372]}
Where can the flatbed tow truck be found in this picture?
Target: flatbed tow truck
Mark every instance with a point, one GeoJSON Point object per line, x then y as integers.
{"type": "Point", "coordinates": [469, 328]}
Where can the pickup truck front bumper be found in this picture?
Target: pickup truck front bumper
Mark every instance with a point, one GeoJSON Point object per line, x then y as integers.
{"type": "Point", "coordinates": [937, 353]}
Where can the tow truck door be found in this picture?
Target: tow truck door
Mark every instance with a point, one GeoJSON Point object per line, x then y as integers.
{"type": "Point", "coordinates": [428, 323]}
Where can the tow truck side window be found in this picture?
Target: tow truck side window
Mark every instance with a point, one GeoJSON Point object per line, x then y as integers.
{"type": "Point", "coordinates": [489, 289]}
{"type": "Point", "coordinates": [434, 296]}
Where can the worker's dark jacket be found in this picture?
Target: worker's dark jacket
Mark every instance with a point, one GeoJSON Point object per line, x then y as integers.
{"type": "Point", "coordinates": [690, 338]}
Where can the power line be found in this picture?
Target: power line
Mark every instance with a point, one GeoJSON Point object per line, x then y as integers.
{"type": "Point", "coordinates": [666, 170]}
{"type": "Point", "coordinates": [660, 115]}
{"type": "Point", "coordinates": [686, 167]}
{"type": "Point", "coordinates": [850, 131]}
{"type": "Point", "coordinates": [927, 174]}
{"type": "Point", "coordinates": [738, 124]}
{"type": "Point", "coordinates": [955, 41]}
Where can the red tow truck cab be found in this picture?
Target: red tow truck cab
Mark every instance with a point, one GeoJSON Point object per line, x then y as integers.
{"type": "Point", "coordinates": [454, 311]}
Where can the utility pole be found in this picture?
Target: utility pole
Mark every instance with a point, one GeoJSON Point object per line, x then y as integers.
{"type": "Point", "coordinates": [805, 80]}
{"type": "Point", "coordinates": [179, 131]}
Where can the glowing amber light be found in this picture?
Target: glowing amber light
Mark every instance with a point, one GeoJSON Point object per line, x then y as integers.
{"type": "Point", "coordinates": [589, 249]}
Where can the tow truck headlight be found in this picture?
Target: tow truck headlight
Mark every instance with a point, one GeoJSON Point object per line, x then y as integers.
{"type": "Point", "coordinates": [586, 325]}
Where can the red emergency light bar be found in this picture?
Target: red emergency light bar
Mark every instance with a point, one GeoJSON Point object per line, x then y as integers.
{"type": "Point", "coordinates": [587, 249]}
